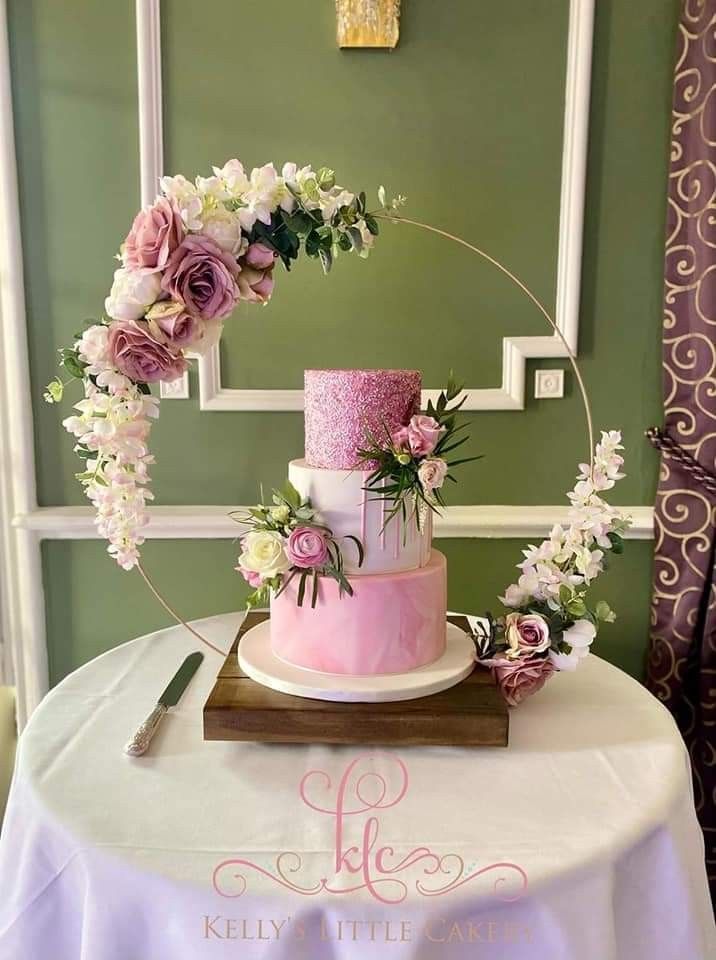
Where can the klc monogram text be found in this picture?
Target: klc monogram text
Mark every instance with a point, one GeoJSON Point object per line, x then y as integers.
{"type": "Point", "coordinates": [370, 784]}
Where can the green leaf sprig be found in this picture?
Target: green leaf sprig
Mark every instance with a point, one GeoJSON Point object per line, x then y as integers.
{"type": "Point", "coordinates": [287, 511]}
{"type": "Point", "coordinates": [396, 478]}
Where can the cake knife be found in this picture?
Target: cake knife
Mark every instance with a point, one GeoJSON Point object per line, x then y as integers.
{"type": "Point", "coordinates": [171, 696]}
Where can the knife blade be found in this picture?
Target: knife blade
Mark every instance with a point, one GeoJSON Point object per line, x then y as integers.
{"type": "Point", "coordinates": [168, 698]}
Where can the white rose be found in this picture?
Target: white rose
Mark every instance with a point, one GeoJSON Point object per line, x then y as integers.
{"type": "Point", "coordinates": [432, 473]}
{"type": "Point", "coordinates": [280, 513]}
{"type": "Point", "coordinates": [224, 229]}
{"type": "Point", "coordinates": [264, 554]}
{"type": "Point", "coordinates": [132, 293]}
{"type": "Point", "coordinates": [580, 637]}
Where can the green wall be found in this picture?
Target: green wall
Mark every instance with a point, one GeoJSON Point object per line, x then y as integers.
{"type": "Point", "coordinates": [465, 118]}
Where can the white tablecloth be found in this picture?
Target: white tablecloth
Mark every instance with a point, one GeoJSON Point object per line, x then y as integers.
{"type": "Point", "coordinates": [577, 842]}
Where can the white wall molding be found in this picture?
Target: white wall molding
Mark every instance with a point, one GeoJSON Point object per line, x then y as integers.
{"type": "Point", "coordinates": [214, 522]}
{"type": "Point", "coordinates": [23, 525]}
{"type": "Point", "coordinates": [510, 395]}
{"type": "Point", "coordinates": [149, 83]}
{"type": "Point", "coordinates": [23, 604]}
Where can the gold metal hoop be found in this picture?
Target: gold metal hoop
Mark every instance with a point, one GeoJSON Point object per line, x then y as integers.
{"type": "Point", "coordinates": [395, 218]}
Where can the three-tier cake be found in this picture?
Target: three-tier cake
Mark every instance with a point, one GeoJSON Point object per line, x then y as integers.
{"type": "Point", "coordinates": [393, 621]}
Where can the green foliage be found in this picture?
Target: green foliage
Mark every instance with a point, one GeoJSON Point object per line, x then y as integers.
{"type": "Point", "coordinates": [617, 543]}
{"type": "Point", "coordinates": [304, 227]}
{"type": "Point", "coordinates": [397, 476]}
{"type": "Point", "coordinates": [70, 360]}
{"type": "Point", "coordinates": [288, 511]}
{"type": "Point", "coordinates": [54, 390]}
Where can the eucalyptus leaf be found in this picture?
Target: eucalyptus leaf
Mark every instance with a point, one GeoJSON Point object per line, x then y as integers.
{"type": "Point", "coordinates": [372, 224]}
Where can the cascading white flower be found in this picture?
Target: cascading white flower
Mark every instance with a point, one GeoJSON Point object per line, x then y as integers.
{"type": "Point", "coordinates": [114, 428]}
{"type": "Point", "coordinates": [574, 557]}
{"type": "Point", "coordinates": [112, 422]}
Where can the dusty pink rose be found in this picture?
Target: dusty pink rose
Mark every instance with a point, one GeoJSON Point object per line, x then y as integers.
{"type": "Point", "coordinates": [181, 329]}
{"type": "Point", "coordinates": [203, 277]}
{"type": "Point", "coordinates": [256, 277]}
{"type": "Point", "coordinates": [170, 323]}
{"type": "Point", "coordinates": [432, 473]}
{"type": "Point", "coordinates": [307, 547]}
{"type": "Point", "coordinates": [526, 633]}
{"type": "Point", "coordinates": [423, 435]}
{"type": "Point", "coordinates": [156, 233]}
{"type": "Point", "coordinates": [519, 679]}
{"type": "Point", "coordinates": [400, 439]}
{"type": "Point", "coordinates": [136, 353]}
{"type": "Point", "coordinates": [251, 577]}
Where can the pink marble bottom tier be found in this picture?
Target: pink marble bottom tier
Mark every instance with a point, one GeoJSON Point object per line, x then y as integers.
{"type": "Point", "coordinates": [394, 622]}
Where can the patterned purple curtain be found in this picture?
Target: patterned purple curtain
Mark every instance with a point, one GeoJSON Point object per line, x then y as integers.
{"type": "Point", "coordinates": [682, 653]}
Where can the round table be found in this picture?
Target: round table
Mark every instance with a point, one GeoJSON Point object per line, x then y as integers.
{"type": "Point", "coordinates": [577, 842]}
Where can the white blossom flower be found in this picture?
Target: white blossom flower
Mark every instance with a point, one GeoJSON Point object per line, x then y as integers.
{"type": "Point", "coordinates": [132, 293]}
{"type": "Point", "coordinates": [262, 197]}
{"type": "Point", "coordinates": [114, 427]}
{"type": "Point", "coordinates": [588, 562]}
{"type": "Point", "coordinates": [515, 596]}
{"type": "Point", "coordinates": [332, 200]}
{"type": "Point", "coordinates": [580, 637]}
{"type": "Point", "coordinates": [212, 190]}
{"type": "Point", "coordinates": [187, 198]}
{"type": "Point", "coordinates": [574, 556]}
{"type": "Point", "coordinates": [233, 178]}
{"type": "Point", "coordinates": [298, 179]}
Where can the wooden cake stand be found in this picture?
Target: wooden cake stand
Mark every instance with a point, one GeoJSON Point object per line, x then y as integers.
{"type": "Point", "coordinates": [469, 713]}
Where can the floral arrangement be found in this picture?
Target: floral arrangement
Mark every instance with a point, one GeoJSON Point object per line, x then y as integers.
{"type": "Point", "coordinates": [188, 260]}
{"type": "Point", "coordinates": [552, 622]}
{"type": "Point", "coordinates": [412, 461]}
{"type": "Point", "coordinates": [287, 540]}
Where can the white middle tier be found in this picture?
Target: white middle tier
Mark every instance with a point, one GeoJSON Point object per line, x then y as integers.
{"type": "Point", "coordinates": [346, 508]}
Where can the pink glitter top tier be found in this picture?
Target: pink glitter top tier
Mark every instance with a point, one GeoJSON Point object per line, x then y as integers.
{"type": "Point", "coordinates": [342, 406]}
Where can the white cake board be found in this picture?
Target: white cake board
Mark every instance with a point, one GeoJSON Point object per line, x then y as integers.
{"type": "Point", "coordinates": [258, 661]}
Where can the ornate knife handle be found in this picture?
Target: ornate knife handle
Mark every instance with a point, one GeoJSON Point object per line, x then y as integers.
{"type": "Point", "coordinates": [142, 738]}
